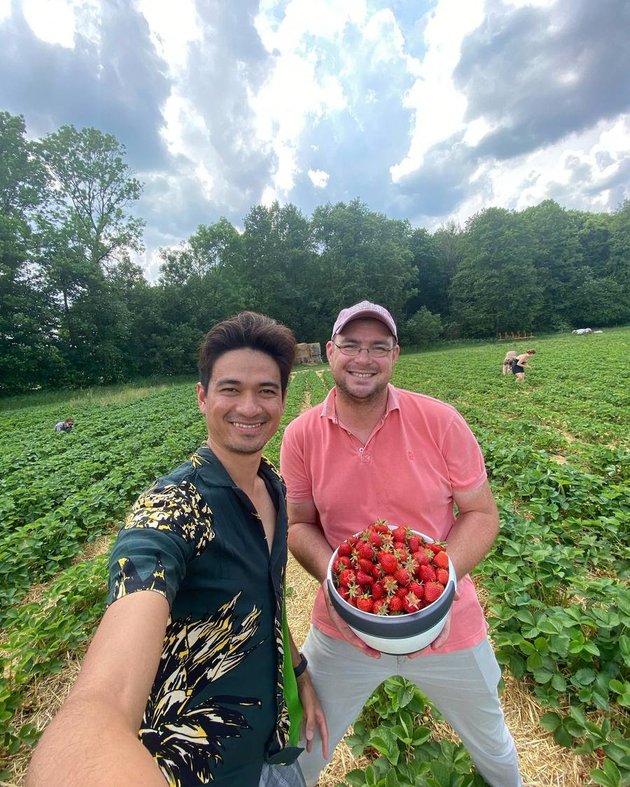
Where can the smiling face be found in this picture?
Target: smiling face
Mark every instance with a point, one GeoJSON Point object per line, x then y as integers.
{"type": "Point", "coordinates": [243, 403]}
{"type": "Point", "coordinates": [362, 378]}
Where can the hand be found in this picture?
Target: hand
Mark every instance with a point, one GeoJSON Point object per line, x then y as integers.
{"type": "Point", "coordinates": [344, 629]}
{"type": "Point", "coordinates": [313, 713]}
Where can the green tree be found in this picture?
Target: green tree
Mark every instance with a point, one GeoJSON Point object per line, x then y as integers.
{"type": "Point", "coordinates": [362, 255]}
{"type": "Point", "coordinates": [85, 229]}
{"type": "Point", "coordinates": [25, 317]}
{"type": "Point", "coordinates": [279, 259]}
{"type": "Point", "coordinates": [496, 287]}
{"type": "Point", "coordinates": [200, 283]}
{"type": "Point", "coordinates": [421, 329]}
{"type": "Point", "coordinates": [557, 256]}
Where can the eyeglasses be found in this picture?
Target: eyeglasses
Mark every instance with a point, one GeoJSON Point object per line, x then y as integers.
{"type": "Point", "coordinates": [375, 351]}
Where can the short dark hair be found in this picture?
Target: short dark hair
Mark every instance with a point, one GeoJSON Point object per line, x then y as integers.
{"type": "Point", "coordinates": [252, 331]}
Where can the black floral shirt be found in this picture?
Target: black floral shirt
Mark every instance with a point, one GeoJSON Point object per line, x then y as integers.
{"type": "Point", "coordinates": [216, 710]}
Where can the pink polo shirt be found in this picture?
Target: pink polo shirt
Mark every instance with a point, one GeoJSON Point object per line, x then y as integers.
{"type": "Point", "coordinates": [419, 452]}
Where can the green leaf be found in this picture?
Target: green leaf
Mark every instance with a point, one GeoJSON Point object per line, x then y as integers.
{"type": "Point", "coordinates": [609, 776]}
{"type": "Point", "coordinates": [551, 721]}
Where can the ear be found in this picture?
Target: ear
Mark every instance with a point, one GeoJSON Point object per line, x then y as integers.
{"type": "Point", "coordinates": [396, 353]}
{"type": "Point", "coordinates": [201, 398]}
{"type": "Point", "coordinates": [329, 349]}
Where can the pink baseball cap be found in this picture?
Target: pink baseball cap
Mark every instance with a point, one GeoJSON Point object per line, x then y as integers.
{"type": "Point", "coordinates": [364, 309]}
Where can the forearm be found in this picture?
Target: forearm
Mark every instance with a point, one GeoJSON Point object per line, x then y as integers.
{"type": "Point", "coordinates": [470, 540]}
{"type": "Point", "coordinates": [310, 548]}
{"type": "Point", "coordinates": [89, 742]}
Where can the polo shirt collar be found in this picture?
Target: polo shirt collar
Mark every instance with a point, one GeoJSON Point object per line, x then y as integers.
{"type": "Point", "coordinates": [329, 409]}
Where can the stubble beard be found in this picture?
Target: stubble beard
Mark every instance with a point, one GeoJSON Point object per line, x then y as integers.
{"type": "Point", "coordinates": [370, 397]}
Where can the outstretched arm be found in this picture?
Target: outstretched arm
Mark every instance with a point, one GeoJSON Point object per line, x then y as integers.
{"type": "Point", "coordinates": [94, 737]}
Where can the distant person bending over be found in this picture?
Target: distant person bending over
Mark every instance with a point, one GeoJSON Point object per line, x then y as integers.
{"type": "Point", "coordinates": [510, 356]}
{"type": "Point", "coordinates": [372, 450]}
{"type": "Point", "coordinates": [520, 363]}
{"type": "Point", "coordinates": [194, 621]}
{"type": "Point", "coordinates": [64, 426]}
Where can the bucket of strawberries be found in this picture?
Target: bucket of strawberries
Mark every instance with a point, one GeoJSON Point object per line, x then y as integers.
{"type": "Point", "coordinates": [393, 586]}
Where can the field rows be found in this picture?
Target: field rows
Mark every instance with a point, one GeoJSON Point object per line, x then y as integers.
{"type": "Point", "coordinates": [557, 451]}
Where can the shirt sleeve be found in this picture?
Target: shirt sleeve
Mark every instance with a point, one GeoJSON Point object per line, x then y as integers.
{"type": "Point", "coordinates": [166, 528]}
{"type": "Point", "coordinates": [292, 467]}
{"type": "Point", "coordinates": [464, 458]}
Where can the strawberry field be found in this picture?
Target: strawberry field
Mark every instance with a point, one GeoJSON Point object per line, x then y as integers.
{"type": "Point", "coordinates": [555, 586]}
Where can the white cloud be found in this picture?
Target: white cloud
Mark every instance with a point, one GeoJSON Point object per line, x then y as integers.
{"type": "Point", "coordinates": [51, 20]}
{"type": "Point", "coordinates": [438, 107]}
{"type": "Point", "coordinates": [319, 178]}
{"type": "Point", "coordinates": [173, 27]}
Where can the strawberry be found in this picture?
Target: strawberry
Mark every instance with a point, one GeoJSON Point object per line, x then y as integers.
{"type": "Point", "coordinates": [421, 557]}
{"type": "Point", "coordinates": [378, 591]}
{"type": "Point", "coordinates": [340, 563]}
{"type": "Point", "coordinates": [375, 538]}
{"type": "Point", "coordinates": [411, 602]}
{"type": "Point", "coordinates": [366, 565]}
{"type": "Point", "coordinates": [400, 533]}
{"type": "Point", "coordinates": [417, 588]}
{"type": "Point", "coordinates": [442, 576]}
{"type": "Point", "coordinates": [395, 604]}
{"type": "Point", "coordinates": [388, 562]}
{"type": "Point", "coordinates": [400, 551]}
{"type": "Point", "coordinates": [427, 574]}
{"type": "Point", "coordinates": [347, 577]}
{"type": "Point", "coordinates": [377, 571]}
{"type": "Point", "coordinates": [344, 550]}
{"type": "Point", "coordinates": [343, 592]}
{"type": "Point", "coordinates": [413, 544]}
{"type": "Point", "coordinates": [380, 526]}
{"type": "Point", "coordinates": [380, 606]}
{"type": "Point", "coordinates": [410, 565]}
{"type": "Point", "coordinates": [363, 578]}
{"type": "Point", "coordinates": [435, 547]}
{"type": "Point", "coordinates": [441, 560]}
{"type": "Point", "coordinates": [432, 591]}
{"type": "Point", "coordinates": [390, 585]}
{"type": "Point", "coordinates": [402, 576]}
{"type": "Point", "coordinates": [365, 551]}
{"type": "Point", "coordinates": [365, 603]}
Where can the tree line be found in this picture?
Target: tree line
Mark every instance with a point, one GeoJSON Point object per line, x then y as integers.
{"type": "Point", "coordinates": [76, 310]}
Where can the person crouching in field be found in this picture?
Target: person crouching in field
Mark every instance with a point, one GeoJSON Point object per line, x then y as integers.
{"type": "Point", "coordinates": [195, 609]}
{"type": "Point", "coordinates": [508, 361]}
{"type": "Point", "coordinates": [518, 367]}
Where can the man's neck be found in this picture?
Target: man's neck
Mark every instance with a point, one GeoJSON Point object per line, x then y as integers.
{"type": "Point", "coordinates": [242, 468]}
{"type": "Point", "coordinates": [360, 414]}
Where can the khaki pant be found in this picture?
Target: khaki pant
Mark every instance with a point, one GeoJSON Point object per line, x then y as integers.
{"type": "Point", "coordinates": [461, 685]}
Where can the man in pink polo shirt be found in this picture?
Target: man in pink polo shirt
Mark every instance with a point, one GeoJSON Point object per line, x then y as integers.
{"type": "Point", "coordinates": [371, 450]}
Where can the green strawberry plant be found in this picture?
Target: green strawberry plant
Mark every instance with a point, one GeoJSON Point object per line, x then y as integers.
{"type": "Point", "coordinates": [395, 729]}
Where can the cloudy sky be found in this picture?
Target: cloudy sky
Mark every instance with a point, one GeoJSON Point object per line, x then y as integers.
{"type": "Point", "coordinates": [428, 110]}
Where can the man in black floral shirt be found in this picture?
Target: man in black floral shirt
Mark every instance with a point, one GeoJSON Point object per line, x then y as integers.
{"type": "Point", "coordinates": [194, 620]}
